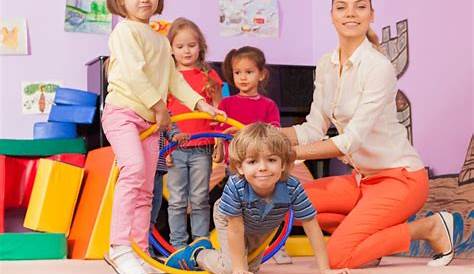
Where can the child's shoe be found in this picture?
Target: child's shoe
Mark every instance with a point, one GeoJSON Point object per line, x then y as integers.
{"type": "Point", "coordinates": [185, 257]}
{"type": "Point", "coordinates": [123, 260]}
{"type": "Point", "coordinates": [148, 268]}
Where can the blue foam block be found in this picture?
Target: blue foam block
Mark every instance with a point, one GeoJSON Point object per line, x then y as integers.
{"type": "Point", "coordinates": [72, 114]}
{"type": "Point", "coordinates": [225, 90]}
{"type": "Point", "coordinates": [54, 130]}
{"type": "Point", "coordinates": [74, 97]}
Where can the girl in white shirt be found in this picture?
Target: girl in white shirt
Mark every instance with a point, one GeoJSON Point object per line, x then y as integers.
{"type": "Point", "coordinates": [367, 211]}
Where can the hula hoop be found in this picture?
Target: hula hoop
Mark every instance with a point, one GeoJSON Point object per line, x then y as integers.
{"type": "Point", "coordinates": [268, 253]}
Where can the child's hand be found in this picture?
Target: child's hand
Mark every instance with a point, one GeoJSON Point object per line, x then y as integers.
{"type": "Point", "coordinates": [162, 116]}
{"type": "Point", "coordinates": [181, 138]}
{"type": "Point", "coordinates": [241, 272]}
{"type": "Point", "coordinates": [231, 130]}
{"type": "Point", "coordinates": [169, 161]}
{"type": "Point", "coordinates": [336, 271]}
{"type": "Point", "coordinates": [205, 107]}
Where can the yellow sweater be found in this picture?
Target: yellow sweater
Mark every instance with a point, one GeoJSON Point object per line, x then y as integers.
{"type": "Point", "coordinates": [142, 70]}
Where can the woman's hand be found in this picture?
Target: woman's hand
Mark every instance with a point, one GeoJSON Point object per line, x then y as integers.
{"type": "Point", "coordinates": [205, 107]}
{"type": "Point", "coordinates": [162, 116]}
{"type": "Point", "coordinates": [336, 271]}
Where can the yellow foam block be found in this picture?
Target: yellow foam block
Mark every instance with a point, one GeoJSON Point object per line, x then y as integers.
{"type": "Point", "coordinates": [299, 246]}
{"type": "Point", "coordinates": [53, 197]}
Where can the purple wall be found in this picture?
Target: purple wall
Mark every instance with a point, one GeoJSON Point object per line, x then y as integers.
{"type": "Point", "coordinates": [438, 80]}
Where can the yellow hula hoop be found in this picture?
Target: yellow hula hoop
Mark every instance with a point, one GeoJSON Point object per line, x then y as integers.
{"type": "Point", "coordinates": [161, 266]}
{"type": "Point", "coordinates": [144, 135]}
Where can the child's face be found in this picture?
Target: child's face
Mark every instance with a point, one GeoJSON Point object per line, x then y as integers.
{"type": "Point", "coordinates": [140, 10]}
{"type": "Point", "coordinates": [247, 76]}
{"type": "Point", "coordinates": [262, 172]}
{"type": "Point", "coordinates": [185, 49]}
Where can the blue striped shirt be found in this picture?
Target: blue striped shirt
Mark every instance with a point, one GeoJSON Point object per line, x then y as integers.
{"type": "Point", "coordinates": [239, 199]}
{"type": "Point", "coordinates": [165, 136]}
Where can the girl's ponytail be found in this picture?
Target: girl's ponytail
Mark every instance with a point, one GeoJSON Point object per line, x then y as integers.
{"type": "Point", "coordinates": [227, 67]}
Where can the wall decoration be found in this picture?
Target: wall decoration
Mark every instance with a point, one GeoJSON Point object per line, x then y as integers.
{"type": "Point", "coordinates": [37, 97]}
{"type": "Point", "coordinates": [259, 18]}
{"type": "Point", "coordinates": [396, 50]}
{"type": "Point", "coordinates": [453, 193]}
{"type": "Point", "coordinates": [89, 16]}
{"type": "Point", "coordinates": [161, 26]}
{"type": "Point", "coordinates": [13, 37]}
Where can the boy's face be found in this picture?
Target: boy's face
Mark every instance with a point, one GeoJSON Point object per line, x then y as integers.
{"type": "Point", "coordinates": [262, 172]}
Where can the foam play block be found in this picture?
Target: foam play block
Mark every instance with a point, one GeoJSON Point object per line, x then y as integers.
{"type": "Point", "coordinates": [32, 246]}
{"type": "Point", "coordinates": [53, 197]}
{"type": "Point", "coordinates": [45, 147]}
{"type": "Point", "coordinates": [72, 114]}
{"type": "Point", "coordinates": [19, 175]}
{"type": "Point", "coordinates": [298, 246]}
{"type": "Point", "coordinates": [54, 130]}
{"type": "Point", "coordinates": [2, 192]}
{"type": "Point", "coordinates": [74, 97]}
{"type": "Point", "coordinates": [90, 230]}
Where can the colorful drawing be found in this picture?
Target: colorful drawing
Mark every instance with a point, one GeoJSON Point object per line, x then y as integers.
{"type": "Point", "coordinates": [249, 17]}
{"type": "Point", "coordinates": [161, 26]}
{"type": "Point", "coordinates": [89, 16]}
{"type": "Point", "coordinates": [13, 37]}
{"type": "Point", "coordinates": [38, 96]}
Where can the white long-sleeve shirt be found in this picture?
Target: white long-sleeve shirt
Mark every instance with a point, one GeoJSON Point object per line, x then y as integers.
{"type": "Point", "coordinates": [361, 104]}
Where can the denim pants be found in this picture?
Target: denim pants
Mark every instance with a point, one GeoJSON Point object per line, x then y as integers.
{"type": "Point", "coordinates": [188, 182]}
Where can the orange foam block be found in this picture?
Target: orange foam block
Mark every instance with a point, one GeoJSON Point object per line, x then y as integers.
{"type": "Point", "coordinates": [53, 197]}
{"type": "Point", "coordinates": [89, 237]}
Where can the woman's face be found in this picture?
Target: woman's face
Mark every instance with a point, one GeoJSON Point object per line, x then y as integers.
{"type": "Point", "coordinates": [352, 18]}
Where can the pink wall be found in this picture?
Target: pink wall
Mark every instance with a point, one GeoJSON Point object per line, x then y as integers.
{"type": "Point", "coordinates": [438, 80]}
{"type": "Point", "coordinates": [55, 55]}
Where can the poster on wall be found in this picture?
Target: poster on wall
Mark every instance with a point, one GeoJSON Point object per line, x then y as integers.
{"type": "Point", "coordinates": [37, 97]}
{"type": "Point", "coordinates": [13, 37]}
{"type": "Point", "coordinates": [257, 18]}
{"type": "Point", "coordinates": [89, 16]}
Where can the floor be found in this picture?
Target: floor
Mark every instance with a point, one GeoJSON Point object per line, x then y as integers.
{"type": "Point", "coordinates": [302, 265]}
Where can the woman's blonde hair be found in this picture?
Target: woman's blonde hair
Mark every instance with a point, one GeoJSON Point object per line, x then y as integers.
{"type": "Point", "coordinates": [181, 23]}
{"type": "Point", "coordinates": [116, 7]}
{"type": "Point", "coordinates": [257, 138]}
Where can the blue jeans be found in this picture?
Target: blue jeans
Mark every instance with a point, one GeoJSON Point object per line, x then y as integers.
{"type": "Point", "coordinates": [188, 182]}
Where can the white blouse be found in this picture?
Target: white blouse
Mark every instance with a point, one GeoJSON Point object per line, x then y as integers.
{"type": "Point", "coordinates": [361, 105]}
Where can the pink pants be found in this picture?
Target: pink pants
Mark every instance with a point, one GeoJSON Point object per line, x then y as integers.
{"type": "Point", "coordinates": [367, 221]}
{"type": "Point", "coordinates": [137, 163]}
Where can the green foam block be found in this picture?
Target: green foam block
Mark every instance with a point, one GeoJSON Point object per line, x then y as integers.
{"type": "Point", "coordinates": [32, 246]}
{"type": "Point", "coordinates": [44, 147]}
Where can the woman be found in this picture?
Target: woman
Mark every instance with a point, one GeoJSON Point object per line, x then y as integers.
{"type": "Point", "coordinates": [366, 211]}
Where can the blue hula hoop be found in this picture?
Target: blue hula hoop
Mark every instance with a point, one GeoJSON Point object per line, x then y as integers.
{"type": "Point", "coordinates": [227, 137]}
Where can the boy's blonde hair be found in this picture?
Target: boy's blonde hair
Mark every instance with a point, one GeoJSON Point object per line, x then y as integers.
{"type": "Point", "coordinates": [116, 7]}
{"type": "Point", "coordinates": [254, 139]}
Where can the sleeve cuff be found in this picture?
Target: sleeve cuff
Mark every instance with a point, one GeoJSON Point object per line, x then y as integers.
{"type": "Point", "coordinates": [302, 137]}
{"type": "Point", "coordinates": [342, 143]}
{"type": "Point", "coordinates": [150, 98]}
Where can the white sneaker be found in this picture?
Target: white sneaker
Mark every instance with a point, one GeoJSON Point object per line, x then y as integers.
{"type": "Point", "coordinates": [443, 259]}
{"type": "Point", "coordinates": [281, 257]}
{"type": "Point", "coordinates": [123, 260]}
{"type": "Point", "coordinates": [148, 268]}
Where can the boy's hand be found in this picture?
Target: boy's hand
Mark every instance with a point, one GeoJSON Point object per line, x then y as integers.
{"type": "Point", "coordinates": [231, 130]}
{"type": "Point", "coordinates": [169, 161]}
{"type": "Point", "coordinates": [181, 138]}
{"type": "Point", "coordinates": [162, 116]}
{"type": "Point", "coordinates": [205, 107]}
{"type": "Point", "coordinates": [241, 272]}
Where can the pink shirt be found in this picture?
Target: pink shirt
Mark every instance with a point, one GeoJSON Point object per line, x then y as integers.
{"type": "Point", "coordinates": [251, 109]}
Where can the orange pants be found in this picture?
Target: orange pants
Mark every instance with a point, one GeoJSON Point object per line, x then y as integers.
{"type": "Point", "coordinates": [367, 221]}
